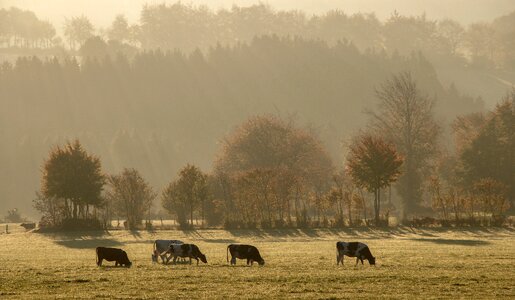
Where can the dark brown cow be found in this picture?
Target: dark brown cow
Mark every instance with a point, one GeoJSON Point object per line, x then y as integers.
{"type": "Point", "coordinates": [248, 252]}
{"type": "Point", "coordinates": [112, 254]}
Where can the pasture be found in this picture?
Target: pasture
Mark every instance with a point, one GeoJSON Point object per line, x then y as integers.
{"type": "Point", "coordinates": [476, 263]}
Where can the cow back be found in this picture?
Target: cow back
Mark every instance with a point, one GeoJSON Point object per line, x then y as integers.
{"type": "Point", "coordinates": [163, 245]}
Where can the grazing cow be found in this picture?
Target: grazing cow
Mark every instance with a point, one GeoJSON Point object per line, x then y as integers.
{"type": "Point", "coordinates": [113, 254]}
{"type": "Point", "coordinates": [354, 249]}
{"type": "Point", "coordinates": [160, 249]}
{"type": "Point", "coordinates": [186, 250]}
{"type": "Point", "coordinates": [248, 252]}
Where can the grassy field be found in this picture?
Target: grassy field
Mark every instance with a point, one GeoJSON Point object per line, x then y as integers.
{"type": "Point", "coordinates": [477, 263]}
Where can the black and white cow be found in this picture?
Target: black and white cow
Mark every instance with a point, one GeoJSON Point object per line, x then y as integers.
{"type": "Point", "coordinates": [160, 249]}
{"type": "Point", "coordinates": [248, 252]}
{"type": "Point", "coordinates": [112, 254]}
{"type": "Point", "coordinates": [186, 250]}
{"type": "Point", "coordinates": [354, 249]}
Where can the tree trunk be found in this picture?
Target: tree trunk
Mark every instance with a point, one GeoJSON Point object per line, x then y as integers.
{"type": "Point", "coordinates": [350, 212]}
{"type": "Point", "coordinates": [376, 206]}
{"type": "Point", "coordinates": [202, 213]}
{"type": "Point", "coordinates": [74, 210]}
{"type": "Point", "coordinates": [191, 215]}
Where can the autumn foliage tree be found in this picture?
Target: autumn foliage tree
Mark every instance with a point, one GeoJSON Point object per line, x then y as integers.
{"type": "Point", "coordinates": [486, 146]}
{"type": "Point", "coordinates": [373, 164]}
{"type": "Point", "coordinates": [74, 178]}
{"type": "Point", "coordinates": [271, 169]}
{"type": "Point", "coordinates": [491, 195]}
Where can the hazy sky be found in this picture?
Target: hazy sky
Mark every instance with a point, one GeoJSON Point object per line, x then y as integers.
{"type": "Point", "coordinates": [102, 12]}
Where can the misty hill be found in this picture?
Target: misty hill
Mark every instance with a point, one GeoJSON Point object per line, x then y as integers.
{"type": "Point", "coordinates": [478, 58]}
{"type": "Point", "coordinates": [163, 109]}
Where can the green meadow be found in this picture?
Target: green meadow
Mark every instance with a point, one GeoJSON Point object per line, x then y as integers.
{"type": "Point", "coordinates": [475, 263]}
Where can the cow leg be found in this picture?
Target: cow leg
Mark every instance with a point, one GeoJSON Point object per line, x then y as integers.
{"type": "Point", "coordinates": [233, 260]}
{"type": "Point", "coordinates": [361, 258]}
{"type": "Point", "coordinates": [116, 264]}
{"type": "Point", "coordinates": [99, 262]}
{"type": "Point", "coordinates": [357, 261]}
{"type": "Point", "coordinates": [248, 261]}
{"type": "Point", "coordinates": [251, 262]}
{"type": "Point", "coordinates": [197, 260]}
{"type": "Point", "coordinates": [190, 260]}
{"type": "Point", "coordinates": [166, 258]}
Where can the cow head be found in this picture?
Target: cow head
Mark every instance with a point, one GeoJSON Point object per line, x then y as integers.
{"type": "Point", "coordinates": [261, 262]}
{"type": "Point", "coordinates": [203, 258]}
{"type": "Point", "coordinates": [372, 260]}
{"type": "Point", "coordinates": [125, 260]}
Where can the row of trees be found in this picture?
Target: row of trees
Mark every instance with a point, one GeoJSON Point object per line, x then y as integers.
{"type": "Point", "coordinates": [191, 100]}
{"type": "Point", "coordinates": [72, 191]}
{"type": "Point", "coordinates": [271, 173]}
{"type": "Point", "coordinates": [22, 28]}
{"type": "Point", "coordinates": [477, 178]}
{"type": "Point", "coordinates": [188, 27]}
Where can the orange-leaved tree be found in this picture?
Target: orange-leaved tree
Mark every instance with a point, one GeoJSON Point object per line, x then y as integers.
{"type": "Point", "coordinates": [373, 164]}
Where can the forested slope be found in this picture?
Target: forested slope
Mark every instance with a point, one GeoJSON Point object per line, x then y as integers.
{"type": "Point", "coordinates": [164, 109]}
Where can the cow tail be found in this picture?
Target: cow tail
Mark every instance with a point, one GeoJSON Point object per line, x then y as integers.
{"type": "Point", "coordinates": [228, 253]}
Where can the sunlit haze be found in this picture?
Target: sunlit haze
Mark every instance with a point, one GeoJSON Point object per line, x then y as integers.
{"type": "Point", "coordinates": [102, 12]}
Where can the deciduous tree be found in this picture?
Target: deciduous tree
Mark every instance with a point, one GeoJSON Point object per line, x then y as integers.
{"type": "Point", "coordinates": [188, 193]}
{"type": "Point", "coordinates": [70, 173]}
{"type": "Point", "coordinates": [405, 118]}
{"type": "Point", "coordinates": [131, 195]}
{"type": "Point", "coordinates": [278, 157]}
{"type": "Point", "coordinates": [373, 164]}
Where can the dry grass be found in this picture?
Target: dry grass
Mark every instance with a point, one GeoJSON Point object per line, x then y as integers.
{"type": "Point", "coordinates": [423, 264]}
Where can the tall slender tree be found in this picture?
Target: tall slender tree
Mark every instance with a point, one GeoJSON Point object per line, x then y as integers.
{"type": "Point", "coordinates": [405, 118]}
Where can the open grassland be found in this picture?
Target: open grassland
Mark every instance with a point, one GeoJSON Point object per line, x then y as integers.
{"type": "Point", "coordinates": [477, 263]}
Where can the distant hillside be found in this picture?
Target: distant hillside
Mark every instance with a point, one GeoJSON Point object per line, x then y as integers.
{"type": "Point", "coordinates": [163, 110]}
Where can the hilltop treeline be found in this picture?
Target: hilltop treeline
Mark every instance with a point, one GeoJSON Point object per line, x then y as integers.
{"type": "Point", "coordinates": [23, 29]}
{"type": "Point", "coordinates": [187, 27]}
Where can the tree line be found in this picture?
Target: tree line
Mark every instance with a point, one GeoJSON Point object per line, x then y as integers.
{"type": "Point", "coordinates": [188, 27]}
{"type": "Point", "coordinates": [156, 106]}
{"type": "Point", "coordinates": [270, 172]}
{"type": "Point", "coordinates": [23, 29]}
